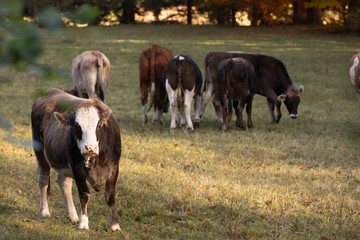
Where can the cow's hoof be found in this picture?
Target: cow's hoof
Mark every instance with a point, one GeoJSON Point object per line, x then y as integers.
{"type": "Point", "coordinates": [196, 124]}
{"type": "Point", "coordinates": [83, 227]}
{"type": "Point", "coordinates": [115, 227]}
{"type": "Point", "coordinates": [74, 220]}
{"type": "Point", "coordinates": [145, 120]}
{"type": "Point", "coordinates": [45, 213]}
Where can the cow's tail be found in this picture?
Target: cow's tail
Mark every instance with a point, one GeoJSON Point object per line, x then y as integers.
{"type": "Point", "coordinates": [100, 71]}
{"type": "Point", "coordinates": [152, 75]}
{"type": "Point", "coordinates": [180, 90]}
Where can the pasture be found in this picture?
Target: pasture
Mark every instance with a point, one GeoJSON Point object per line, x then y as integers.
{"type": "Point", "coordinates": [299, 179]}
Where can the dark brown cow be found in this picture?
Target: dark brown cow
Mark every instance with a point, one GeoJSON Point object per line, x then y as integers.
{"type": "Point", "coordinates": [90, 74]}
{"type": "Point", "coordinates": [354, 69]}
{"type": "Point", "coordinates": [152, 62]}
{"type": "Point", "coordinates": [183, 80]}
{"type": "Point", "coordinates": [272, 81]}
{"type": "Point", "coordinates": [78, 138]}
{"type": "Point", "coordinates": [236, 82]}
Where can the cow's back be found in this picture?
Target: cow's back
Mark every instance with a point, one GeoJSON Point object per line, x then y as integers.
{"type": "Point", "coordinates": [270, 72]}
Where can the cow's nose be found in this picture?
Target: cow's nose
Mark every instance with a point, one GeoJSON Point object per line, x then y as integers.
{"type": "Point", "coordinates": [293, 116]}
{"type": "Point", "coordinates": [90, 148]}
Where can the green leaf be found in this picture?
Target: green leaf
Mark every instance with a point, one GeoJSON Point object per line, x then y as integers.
{"type": "Point", "coordinates": [10, 8]}
{"type": "Point", "coordinates": [50, 19]}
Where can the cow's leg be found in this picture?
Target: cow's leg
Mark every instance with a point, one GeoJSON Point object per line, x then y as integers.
{"type": "Point", "coordinates": [84, 196]}
{"type": "Point", "coordinates": [206, 95]}
{"type": "Point", "coordinates": [173, 102]}
{"type": "Point", "coordinates": [43, 172]}
{"type": "Point", "coordinates": [218, 109]}
{"type": "Point", "coordinates": [144, 96]}
{"type": "Point", "coordinates": [278, 112]}
{"type": "Point", "coordinates": [187, 107]}
{"type": "Point", "coordinates": [239, 120]}
{"type": "Point", "coordinates": [182, 114]}
{"type": "Point", "coordinates": [65, 184]}
{"type": "Point", "coordinates": [248, 110]}
{"type": "Point", "coordinates": [271, 109]}
{"type": "Point", "coordinates": [110, 200]}
{"type": "Point", "coordinates": [197, 105]}
{"type": "Point", "coordinates": [156, 115]}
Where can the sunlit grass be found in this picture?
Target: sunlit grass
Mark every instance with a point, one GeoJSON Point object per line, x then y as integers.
{"type": "Point", "coordinates": [297, 179]}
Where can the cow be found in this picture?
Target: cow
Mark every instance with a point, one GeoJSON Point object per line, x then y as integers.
{"type": "Point", "coordinates": [354, 69]}
{"type": "Point", "coordinates": [90, 74]}
{"type": "Point", "coordinates": [272, 81]}
{"type": "Point", "coordinates": [183, 80]}
{"type": "Point", "coordinates": [79, 139]}
{"type": "Point", "coordinates": [152, 62]}
{"type": "Point", "coordinates": [236, 82]}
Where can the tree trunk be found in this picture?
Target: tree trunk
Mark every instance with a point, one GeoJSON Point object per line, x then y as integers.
{"type": "Point", "coordinates": [128, 15]}
{"type": "Point", "coordinates": [299, 12]}
{"type": "Point", "coordinates": [352, 18]}
{"type": "Point", "coordinates": [233, 15]}
{"type": "Point", "coordinates": [189, 11]}
{"type": "Point", "coordinates": [313, 16]}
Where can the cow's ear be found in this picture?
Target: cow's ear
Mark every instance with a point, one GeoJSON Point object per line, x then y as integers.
{"type": "Point", "coordinates": [62, 118]}
{"type": "Point", "coordinates": [281, 97]}
{"type": "Point", "coordinates": [104, 118]}
{"type": "Point", "coordinates": [301, 88]}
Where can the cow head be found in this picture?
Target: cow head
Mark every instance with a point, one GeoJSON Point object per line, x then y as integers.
{"type": "Point", "coordinates": [85, 123]}
{"type": "Point", "coordinates": [291, 98]}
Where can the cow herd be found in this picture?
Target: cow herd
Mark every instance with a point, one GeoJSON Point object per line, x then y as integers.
{"type": "Point", "coordinates": [76, 134]}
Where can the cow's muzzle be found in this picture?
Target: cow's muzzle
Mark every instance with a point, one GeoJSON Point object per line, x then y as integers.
{"type": "Point", "coordinates": [293, 116]}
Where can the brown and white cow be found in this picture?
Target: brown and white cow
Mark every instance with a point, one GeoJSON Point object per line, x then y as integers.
{"type": "Point", "coordinates": [236, 82]}
{"type": "Point", "coordinates": [354, 69]}
{"type": "Point", "coordinates": [272, 81]}
{"type": "Point", "coordinates": [90, 74]}
{"type": "Point", "coordinates": [79, 139]}
{"type": "Point", "coordinates": [152, 62]}
{"type": "Point", "coordinates": [183, 80]}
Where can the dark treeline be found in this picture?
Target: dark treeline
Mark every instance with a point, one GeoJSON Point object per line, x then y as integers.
{"type": "Point", "coordinates": [260, 12]}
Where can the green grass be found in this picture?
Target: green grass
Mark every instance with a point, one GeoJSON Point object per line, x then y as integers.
{"type": "Point", "coordinates": [299, 179]}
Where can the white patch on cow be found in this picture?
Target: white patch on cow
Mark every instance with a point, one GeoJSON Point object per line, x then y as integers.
{"type": "Point", "coordinates": [115, 227]}
{"type": "Point", "coordinates": [172, 100]}
{"type": "Point", "coordinates": [187, 107]}
{"type": "Point", "coordinates": [152, 89]}
{"type": "Point", "coordinates": [293, 115]}
{"type": "Point", "coordinates": [181, 58]}
{"type": "Point", "coordinates": [65, 184]}
{"type": "Point", "coordinates": [84, 222]}
{"type": "Point", "coordinates": [144, 117]}
{"type": "Point", "coordinates": [352, 70]}
{"type": "Point", "coordinates": [88, 119]}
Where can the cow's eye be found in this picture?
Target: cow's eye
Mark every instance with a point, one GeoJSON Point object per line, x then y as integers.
{"type": "Point", "coordinates": [78, 131]}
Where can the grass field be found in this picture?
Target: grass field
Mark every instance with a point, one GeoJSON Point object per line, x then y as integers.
{"type": "Point", "coordinates": [299, 179]}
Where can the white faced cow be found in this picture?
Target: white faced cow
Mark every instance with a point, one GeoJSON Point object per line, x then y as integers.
{"type": "Point", "coordinates": [354, 68]}
{"type": "Point", "coordinates": [90, 74]}
{"type": "Point", "coordinates": [272, 81]}
{"type": "Point", "coordinates": [182, 79]}
{"type": "Point", "coordinates": [78, 138]}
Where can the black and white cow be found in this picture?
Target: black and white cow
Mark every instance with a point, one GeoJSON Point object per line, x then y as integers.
{"type": "Point", "coordinates": [78, 138]}
{"type": "Point", "coordinates": [182, 79]}
{"type": "Point", "coordinates": [236, 82]}
{"type": "Point", "coordinates": [272, 81]}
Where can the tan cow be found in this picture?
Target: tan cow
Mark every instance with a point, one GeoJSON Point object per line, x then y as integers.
{"type": "Point", "coordinates": [354, 69]}
{"type": "Point", "coordinates": [90, 74]}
